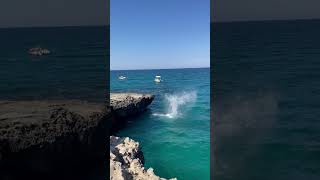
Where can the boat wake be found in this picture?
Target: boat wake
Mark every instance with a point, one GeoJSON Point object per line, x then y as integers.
{"type": "Point", "coordinates": [175, 102]}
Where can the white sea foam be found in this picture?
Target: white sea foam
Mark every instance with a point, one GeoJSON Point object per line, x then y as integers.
{"type": "Point", "coordinates": [175, 102]}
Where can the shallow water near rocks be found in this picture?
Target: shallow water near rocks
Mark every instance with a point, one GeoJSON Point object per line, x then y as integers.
{"type": "Point", "coordinates": [174, 132]}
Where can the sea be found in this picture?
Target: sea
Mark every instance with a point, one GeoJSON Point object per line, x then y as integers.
{"type": "Point", "coordinates": [265, 89]}
{"type": "Point", "coordinates": [76, 68]}
{"type": "Point", "coordinates": [174, 132]}
{"type": "Point", "coordinates": [266, 94]}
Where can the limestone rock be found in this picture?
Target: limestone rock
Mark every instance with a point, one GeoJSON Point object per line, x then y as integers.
{"type": "Point", "coordinates": [38, 138]}
{"type": "Point", "coordinates": [127, 161]}
{"type": "Point", "coordinates": [129, 104]}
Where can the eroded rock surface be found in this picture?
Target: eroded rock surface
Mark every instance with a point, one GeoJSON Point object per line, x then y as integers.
{"type": "Point", "coordinates": [44, 138]}
{"type": "Point", "coordinates": [127, 161]}
{"type": "Point", "coordinates": [68, 139]}
{"type": "Point", "coordinates": [129, 104]}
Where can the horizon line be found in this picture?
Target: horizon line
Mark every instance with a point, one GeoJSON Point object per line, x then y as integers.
{"type": "Point", "coordinates": [55, 26]}
{"type": "Point", "coordinates": [159, 69]}
{"type": "Point", "coordinates": [263, 20]}
{"type": "Point", "coordinates": [211, 21]}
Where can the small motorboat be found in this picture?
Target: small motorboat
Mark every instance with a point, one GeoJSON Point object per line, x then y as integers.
{"type": "Point", "coordinates": [157, 79]}
{"type": "Point", "coordinates": [38, 51]}
{"type": "Point", "coordinates": [122, 77]}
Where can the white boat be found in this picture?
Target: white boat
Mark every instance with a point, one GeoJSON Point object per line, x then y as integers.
{"type": "Point", "coordinates": [157, 79]}
{"type": "Point", "coordinates": [122, 77]}
{"type": "Point", "coordinates": [38, 51]}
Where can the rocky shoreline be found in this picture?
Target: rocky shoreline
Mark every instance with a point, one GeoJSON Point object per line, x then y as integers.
{"type": "Point", "coordinates": [52, 139]}
{"type": "Point", "coordinates": [126, 156]}
{"type": "Point", "coordinates": [127, 161]}
{"type": "Point", "coordinates": [127, 105]}
{"type": "Point", "coordinates": [65, 139]}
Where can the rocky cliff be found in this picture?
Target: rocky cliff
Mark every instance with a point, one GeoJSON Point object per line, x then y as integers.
{"type": "Point", "coordinates": [126, 156]}
{"type": "Point", "coordinates": [44, 139]}
{"type": "Point", "coordinates": [68, 139]}
{"type": "Point", "coordinates": [127, 105]}
{"type": "Point", "coordinates": [127, 161]}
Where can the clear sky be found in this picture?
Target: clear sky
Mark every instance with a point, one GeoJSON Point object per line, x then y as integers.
{"type": "Point", "coordinates": [156, 34]}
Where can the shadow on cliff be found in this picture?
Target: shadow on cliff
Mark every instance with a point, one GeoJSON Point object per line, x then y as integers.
{"type": "Point", "coordinates": [67, 145]}
{"type": "Point", "coordinates": [119, 123]}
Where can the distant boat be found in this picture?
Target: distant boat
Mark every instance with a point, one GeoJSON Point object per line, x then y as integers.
{"type": "Point", "coordinates": [38, 51]}
{"type": "Point", "coordinates": [122, 77]}
{"type": "Point", "coordinates": [157, 79]}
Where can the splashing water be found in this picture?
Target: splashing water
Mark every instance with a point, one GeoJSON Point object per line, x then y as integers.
{"type": "Point", "coordinates": [176, 101]}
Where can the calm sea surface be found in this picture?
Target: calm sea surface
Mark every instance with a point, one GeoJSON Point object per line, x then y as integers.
{"type": "Point", "coordinates": [267, 94]}
{"type": "Point", "coordinates": [175, 132]}
{"type": "Point", "coordinates": [75, 69]}
{"type": "Point", "coordinates": [266, 99]}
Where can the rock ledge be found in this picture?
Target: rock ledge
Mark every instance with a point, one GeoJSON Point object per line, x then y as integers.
{"type": "Point", "coordinates": [126, 161]}
{"type": "Point", "coordinates": [129, 104]}
{"type": "Point", "coordinates": [40, 139]}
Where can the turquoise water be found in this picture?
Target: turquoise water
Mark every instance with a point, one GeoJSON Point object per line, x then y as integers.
{"type": "Point", "coordinates": [175, 132]}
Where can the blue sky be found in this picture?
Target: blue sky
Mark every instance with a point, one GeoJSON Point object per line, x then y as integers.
{"type": "Point", "coordinates": [157, 34]}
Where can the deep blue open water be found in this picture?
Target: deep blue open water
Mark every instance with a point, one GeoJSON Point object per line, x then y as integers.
{"type": "Point", "coordinates": [266, 100]}
{"type": "Point", "coordinates": [75, 69]}
{"type": "Point", "coordinates": [175, 132]}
